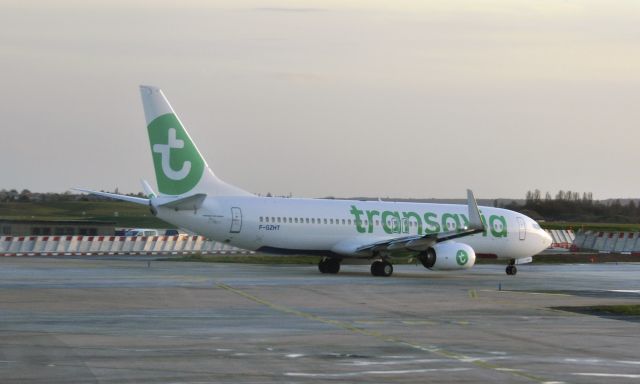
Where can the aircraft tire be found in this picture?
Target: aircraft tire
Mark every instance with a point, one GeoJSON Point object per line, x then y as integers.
{"type": "Point", "coordinates": [386, 269]}
{"type": "Point", "coordinates": [381, 268]}
{"type": "Point", "coordinates": [375, 267]}
{"type": "Point", "coordinates": [322, 266]}
{"type": "Point", "coordinates": [333, 266]}
{"type": "Point", "coordinates": [511, 270]}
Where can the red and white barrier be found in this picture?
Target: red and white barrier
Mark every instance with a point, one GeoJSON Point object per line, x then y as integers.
{"type": "Point", "coordinates": [111, 245]}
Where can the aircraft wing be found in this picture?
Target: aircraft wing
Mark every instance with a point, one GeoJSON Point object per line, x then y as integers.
{"type": "Point", "coordinates": [417, 243]}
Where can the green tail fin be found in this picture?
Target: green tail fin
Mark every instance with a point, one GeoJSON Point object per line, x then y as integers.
{"type": "Point", "coordinates": [179, 166]}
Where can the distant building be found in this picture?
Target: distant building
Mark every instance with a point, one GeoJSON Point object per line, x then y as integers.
{"type": "Point", "coordinates": [13, 227]}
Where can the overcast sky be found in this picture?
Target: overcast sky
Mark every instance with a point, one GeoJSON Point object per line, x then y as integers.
{"type": "Point", "coordinates": [319, 98]}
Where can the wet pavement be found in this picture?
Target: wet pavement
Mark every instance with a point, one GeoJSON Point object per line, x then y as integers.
{"type": "Point", "coordinates": [82, 320]}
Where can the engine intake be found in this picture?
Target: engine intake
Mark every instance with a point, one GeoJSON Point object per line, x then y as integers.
{"type": "Point", "coordinates": [448, 255]}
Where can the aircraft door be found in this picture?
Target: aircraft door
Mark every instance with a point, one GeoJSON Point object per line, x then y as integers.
{"type": "Point", "coordinates": [236, 220]}
{"type": "Point", "coordinates": [522, 228]}
{"type": "Point", "coordinates": [405, 225]}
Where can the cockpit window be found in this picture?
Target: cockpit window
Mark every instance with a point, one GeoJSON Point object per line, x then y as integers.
{"type": "Point", "coordinates": [535, 225]}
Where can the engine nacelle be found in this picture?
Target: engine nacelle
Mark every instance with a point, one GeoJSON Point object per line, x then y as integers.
{"type": "Point", "coordinates": [448, 255]}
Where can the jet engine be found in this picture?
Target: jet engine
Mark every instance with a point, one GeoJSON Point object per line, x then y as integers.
{"type": "Point", "coordinates": [448, 255]}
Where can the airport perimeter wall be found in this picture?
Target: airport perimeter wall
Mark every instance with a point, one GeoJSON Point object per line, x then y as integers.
{"type": "Point", "coordinates": [112, 245]}
{"type": "Point", "coordinates": [561, 238]}
{"type": "Point", "coordinates": [608, 242]}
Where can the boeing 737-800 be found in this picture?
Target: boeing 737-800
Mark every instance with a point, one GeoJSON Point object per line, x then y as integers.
{"type": "Point", "coordinates": [440, 236]}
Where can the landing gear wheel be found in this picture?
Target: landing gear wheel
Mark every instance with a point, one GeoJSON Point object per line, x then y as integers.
{"type": "Point", "coordinates": [511, 270]}
{"type": "Point", "coordinates": [329, 265]}
{"type": "Point", "coordinates": [381, 268]}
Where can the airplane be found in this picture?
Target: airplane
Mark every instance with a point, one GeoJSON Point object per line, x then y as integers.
{"type": "Point", "coordinates": [440, 236]}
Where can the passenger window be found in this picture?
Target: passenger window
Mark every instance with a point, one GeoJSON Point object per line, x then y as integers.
{"type": "Point", "coordinates": [349, 221]}
{"type": "Point", "coordinates": [313, 221]}
{"type": "Point", "coordinates": [330, 221]}
{"type": "Point", "coordinates": [296, 220]}
{"type": "Point", "coordinates": [325, 221]}
{"type": "Point", "coordinates": [290, 220]}
{"type": "Point", "coordinates": [278, 219]}
{"type": "Point", "coordinates": [261, 219]}
{"type": "Point", "coordinates": [343, 222]}
{"type": "Point", "coordinates": [267, 219]}
{"type": "Point", "coordinates": [273, 219]}
{"type": "Point", "coordinates": [307, 220]}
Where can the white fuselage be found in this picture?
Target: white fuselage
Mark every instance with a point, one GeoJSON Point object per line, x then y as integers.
{"type": "Point", "coordinates": [332, 227]}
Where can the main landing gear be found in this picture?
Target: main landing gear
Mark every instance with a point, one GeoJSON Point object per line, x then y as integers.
{"type": "Point", "coordinates": [511, 268]}
{"type": "Point", "coordinates": [381, 268]}
{"type": "Point", "coordinates": [378, 268]}
{"type": "Point", "coordinates": [329, 265]}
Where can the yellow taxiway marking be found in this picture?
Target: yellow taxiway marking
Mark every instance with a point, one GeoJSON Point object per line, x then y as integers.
{"type": "Point", "coordinates": [525, 293]}
{"type": "Point", "coordinates": [351, 328]}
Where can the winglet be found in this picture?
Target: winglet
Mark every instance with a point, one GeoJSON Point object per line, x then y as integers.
{"type": "Point", "coordinates": [475, 221]}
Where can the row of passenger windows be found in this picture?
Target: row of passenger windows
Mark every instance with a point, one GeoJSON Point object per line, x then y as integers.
{"type": "Point", "coordinates": [313, 220]}
{"type": "Point", "coordinates": [303, 220]}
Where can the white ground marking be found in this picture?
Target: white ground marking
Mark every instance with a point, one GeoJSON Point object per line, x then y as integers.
{"type": "Point", "coordinates": [487, 358]}
{"type": "Point", "coordinates": [364, 363]}
{"type": "Point", "coordinates": [625, 290]}
{"type": "Point", "coordinates": [612, 375]}
{"type": "Point", "coordinates": [628, 362]}
{"type": "Point", "coordinates": [583, 361]}
{"type": "Point", "coordinates": [351, 374]}
{"type": "Point", "coordinates": [294, 355]}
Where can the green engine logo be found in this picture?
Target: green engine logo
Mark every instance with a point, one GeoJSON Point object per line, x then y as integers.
{"type": "Point", "coordinates": [462, 257]}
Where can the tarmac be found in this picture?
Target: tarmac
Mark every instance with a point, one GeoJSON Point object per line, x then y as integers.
{"type": "Point", "coordinates": [134, 319]}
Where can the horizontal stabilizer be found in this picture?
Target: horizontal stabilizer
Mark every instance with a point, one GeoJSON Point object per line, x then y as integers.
{"type": "Point", "coordinates": [189, 203]}
{"type": "Point", "coordinates": [131, 199]}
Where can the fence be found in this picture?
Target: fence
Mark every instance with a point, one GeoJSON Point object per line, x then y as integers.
{"type": "Point", "coordinates": [561, 238]}
{"type": "Point", "coordinates": [608, 242]}
{"type": "Point", "coordinates": [605, 242]}
{"type": "Point", "coordinates": [111, 245]}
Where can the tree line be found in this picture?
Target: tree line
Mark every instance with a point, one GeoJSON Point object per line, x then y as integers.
{"type": "Point", "coordinates": [579, 207]}
{"type": "Point", "coordinates": [26, 196]}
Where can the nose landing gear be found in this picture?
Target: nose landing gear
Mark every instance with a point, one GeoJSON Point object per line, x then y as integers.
{"type": "Point", "coordinates": [511, 268]}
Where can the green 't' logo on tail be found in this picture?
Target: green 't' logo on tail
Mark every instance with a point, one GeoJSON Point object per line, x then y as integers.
{"type": "Point", "coordinates": [177, 162]}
